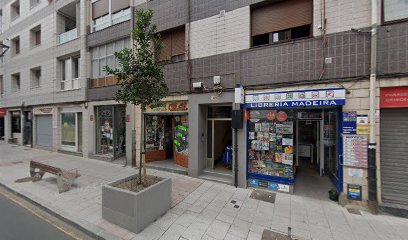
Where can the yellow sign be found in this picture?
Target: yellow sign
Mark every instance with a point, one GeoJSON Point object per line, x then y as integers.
{"type": "Point", "coordinates": [363, 128]}
{"type": "Point", "coordinates": [168, 107]}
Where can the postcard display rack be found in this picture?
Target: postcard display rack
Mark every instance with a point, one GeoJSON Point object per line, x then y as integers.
{"type": "Point", "coordinates": [270, 148]}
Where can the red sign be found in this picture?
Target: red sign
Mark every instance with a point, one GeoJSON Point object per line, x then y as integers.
{"type": "Point", "coordinates": [3, 112]}
{"type": "Point", "coordinates": [394, 97]}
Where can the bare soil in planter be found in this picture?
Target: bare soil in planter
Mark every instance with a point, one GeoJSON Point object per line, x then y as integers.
{"type": "Point", "coordinates": [134, 186]}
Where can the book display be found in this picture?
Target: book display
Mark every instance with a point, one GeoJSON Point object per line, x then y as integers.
{"type": "Point", "coordinates": [271, 140]}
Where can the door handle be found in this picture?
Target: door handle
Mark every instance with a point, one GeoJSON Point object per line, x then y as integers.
{"type": "Point", "coordinates": [341, 159]}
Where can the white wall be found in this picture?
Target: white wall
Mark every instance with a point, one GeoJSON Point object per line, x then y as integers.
{"type": "Point", "coordinates": [220, 34]}
{"type": "Point", "coordinates": [342, 15]}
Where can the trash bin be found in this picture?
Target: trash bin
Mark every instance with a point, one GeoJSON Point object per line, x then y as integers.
{"type": "Point", "coordinates": [227, 157]}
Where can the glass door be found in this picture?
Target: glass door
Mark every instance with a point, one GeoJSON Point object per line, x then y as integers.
{"type": "Point", "coordinates": [330, 140]}
{"type": "Point", "coordinates": [120, 129]}
{"type": "Point", "coordinates": [69, 136]}
{"type": "Point", "coordinates": [105, 130]}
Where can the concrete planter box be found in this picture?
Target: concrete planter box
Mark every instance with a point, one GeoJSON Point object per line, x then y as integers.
{"type": "Point", "coordinates": [135, 210]}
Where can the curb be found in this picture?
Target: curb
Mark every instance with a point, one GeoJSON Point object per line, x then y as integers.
{"type": "Point", "coordinates": [88, 232]}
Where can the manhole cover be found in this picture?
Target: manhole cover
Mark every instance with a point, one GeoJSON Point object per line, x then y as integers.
{"type": "Point", "coordinates": [354, 211]}
{"type": "Point", "coordinates": [270, 235]}
{"type": "Point", "coordinates": [263, 196]}
{"type": "Point", "coordinates": [23, 180]}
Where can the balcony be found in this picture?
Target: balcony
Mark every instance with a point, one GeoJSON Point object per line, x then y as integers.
{"type": "Point", "coordinates": [67, 36]}
{"type": "Point", "coordinates": [111, 19]}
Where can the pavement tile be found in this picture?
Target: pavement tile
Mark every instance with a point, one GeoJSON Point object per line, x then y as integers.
{"type": "Point", "coordinates": [173, 233]}
{"type": "Point", "coordinates": [196, 230]}
{"type": "Point", "coordinates": [166, 220]}
{"type": "Point", "coordinates": [152, 232]}
{"type": "Point", "coordinates": [218, 229]}
{"type": "Point", "coordinates": [186, 218]}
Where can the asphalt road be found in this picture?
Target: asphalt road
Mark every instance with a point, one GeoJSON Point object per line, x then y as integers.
{"type": "Point", "coordinates": [20, 220]}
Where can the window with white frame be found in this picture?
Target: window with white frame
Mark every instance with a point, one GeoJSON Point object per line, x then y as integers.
{"type": "Point", "coordinates": [395, 10]}
{"type": "Point", "coordinates": [15, 82]}
{"type": "Point", "coordinates": [104, 56]}
{"type": "Point", "coordinates": [70, 73]}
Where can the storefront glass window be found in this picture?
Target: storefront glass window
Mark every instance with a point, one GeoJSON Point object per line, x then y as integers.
{"type": "Point", "coordinates": [271, 141]}
{"type": "Point", "coordinates": [181, 134]}
{"type": "Point", "coordinates": [68, 129]}
{"type": "Point", "coordinates": [16, 122]}
{"type": "Point", "coordinates": [105, 129]}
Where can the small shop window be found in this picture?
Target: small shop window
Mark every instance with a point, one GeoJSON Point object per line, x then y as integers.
{"type": "Point", "coordinates": [271, 140]}
{"type": "Point", "coordinates": [16, 122]}
{"type": "Point", "coordinates": [68, 126]}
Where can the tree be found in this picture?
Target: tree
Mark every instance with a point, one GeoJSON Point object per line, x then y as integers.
{"type": "Point", "coordinates": [140, 76]}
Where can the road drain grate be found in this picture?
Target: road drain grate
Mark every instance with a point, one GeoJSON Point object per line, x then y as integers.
{"type": "Point", "coordinates": [270, 235]}
{"type": "Point", "coordinates": [263, 196]}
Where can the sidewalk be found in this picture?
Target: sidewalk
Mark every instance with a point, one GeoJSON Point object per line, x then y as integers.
{"type": "Point", "coordinates": [200, 209]}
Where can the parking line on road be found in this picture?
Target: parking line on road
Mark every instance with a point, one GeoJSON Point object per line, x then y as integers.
{"type": "Point", "coordinates": [22, 204]}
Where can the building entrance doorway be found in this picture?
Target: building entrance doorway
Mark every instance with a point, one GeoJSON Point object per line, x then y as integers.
{"type": "Point", "coordinates": [316, 152]}
{"type": "Point", "coordinates": [219, 145]}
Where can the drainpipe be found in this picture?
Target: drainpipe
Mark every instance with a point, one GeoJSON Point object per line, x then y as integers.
{"type": "Point", "coordinates": [372, 174]}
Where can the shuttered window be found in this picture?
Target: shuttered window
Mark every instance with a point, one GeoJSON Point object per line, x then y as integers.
{"type": "Point", "coordinates": [118, 5]}
{"type": "Point", "coordinates": [100, 8]}
{"type": "Point", "coordinates": [173, 46]}
{"type": "Point", "coordinates": [280, 16]}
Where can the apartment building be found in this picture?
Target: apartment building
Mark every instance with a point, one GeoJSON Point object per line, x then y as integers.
{"type": "Point", "coordinates": [302, 67]}
{"type": "Point", "coordinates": [305, 69]}
{"type": "Point", "coordinates": [43, 73]}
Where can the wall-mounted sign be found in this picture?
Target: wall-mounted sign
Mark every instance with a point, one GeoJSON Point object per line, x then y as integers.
{"type": "Point", "coordinates": [293, 99]}
{"type": "Point", "coordinates": [354, 192]}
{"type": "Point", "coordinates": [394, 97]}
{"type": "Point", "coordinates": [3, 112]}
{"type": "Point", "coordinates": [355, 150]}
{"type": "Point", "coordinates": [363, 127]}
{"type": "Point", "coordinates": [168, 107]}
{"type": "Point", "coordinates": [42, 111]}
{"type": "Point", "coordinates": [239, 94]}
{"type": "Point", "coordinates": [350, 122]}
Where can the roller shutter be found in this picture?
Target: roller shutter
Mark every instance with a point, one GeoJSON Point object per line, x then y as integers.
{"type": "Point", "coordinates": [43, 131]}
{"type": "Point", "coordinates": [280, 16]}
{"type": "Point", "coordinates": [394, 155]}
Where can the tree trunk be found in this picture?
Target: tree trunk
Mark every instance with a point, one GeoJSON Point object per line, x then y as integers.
{"type": "Point", "coordinates": [142, 149]}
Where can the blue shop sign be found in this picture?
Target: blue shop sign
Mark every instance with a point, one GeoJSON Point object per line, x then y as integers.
{"type": "Point", "coordinates": [293, 99]}
{"type": "Point", "coordinates": [253, 182]}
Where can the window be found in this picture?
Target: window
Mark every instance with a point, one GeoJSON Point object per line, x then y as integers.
{"type": "Point", "coordinates": [35, 36]}
{"type": "Point", "coordinates": [70, 73]}
{"type": "Point", "coordinates": [1, 20]}
{"type": "Point", "coordinates": [271, 24]}
{"type": "Point", "coordinates": [16, 45]}
{"type": "Point", "coordinates": [34, 3]}
{"type": "Point", "coordinates": [394, 10]}
{"type": "Point", "coordinates": [173, 46]}
{"type": "Point", "coordinates": [108, 12]}
{"type": "Point", "coordinates": [15, 122]}
{"type": "Point", "coordinates": [15, 10]}
{"type": "Point", "coordinates": [104, 55]}
{"type": "Point", "coordinates": [35, 77]}
{"type": "Point", "coordinates": [15, 82]}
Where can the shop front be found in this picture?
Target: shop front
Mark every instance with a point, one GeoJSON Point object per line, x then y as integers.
{"type": "Point", "coordinates": [166, 133]}
{"type": "Point", "coordinates": [294, 135]}
{"type": "Point", "coordinates": [110, 131]}
{"type": "Point", "coordinates": [393, 148]}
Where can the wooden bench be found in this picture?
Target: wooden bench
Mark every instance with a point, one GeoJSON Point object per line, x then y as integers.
{"type": "Point", "coordinates": [65, 178]}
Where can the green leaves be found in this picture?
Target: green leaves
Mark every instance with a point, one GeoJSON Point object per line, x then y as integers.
{"type": "Point", "coordinates": [140, 77]}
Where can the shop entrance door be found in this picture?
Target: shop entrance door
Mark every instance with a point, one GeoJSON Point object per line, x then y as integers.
{"type": "Point", "coordinates": [309, 135]}
{"type": "Point", "coordinates": [219, 136]}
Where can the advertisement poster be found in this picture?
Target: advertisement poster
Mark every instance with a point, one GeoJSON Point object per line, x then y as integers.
{"type": "Point", "coordinates": [355, 150]}
{"type": "Point", "coordinates": [363, 127]}
{"type": "Point", "coordinates": [354, 192]}
{"type": "Point", "coordinates": [350, 122]}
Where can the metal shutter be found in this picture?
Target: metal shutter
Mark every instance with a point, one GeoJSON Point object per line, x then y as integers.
{"type": "Point", "coordinates": [118, 5]}
{"type": "Point", "coordinates": [394, 155]}
{"type": "Point", "coordinates": [100, 8]}
{"type": "Point", "coordinates": [43, 131]}
{"type": "Point", "coordinates": [280, 16]}
{"type": "Point", "coordinates": [178, 41]}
